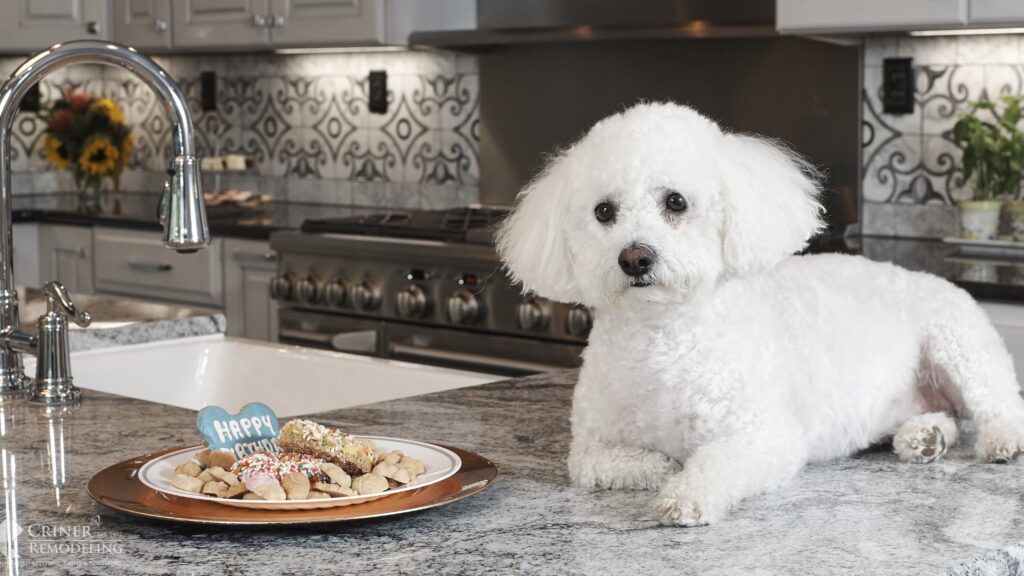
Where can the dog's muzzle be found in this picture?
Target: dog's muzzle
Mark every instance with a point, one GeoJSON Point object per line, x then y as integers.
{"type": "Point", "coordinates": [637, 261]}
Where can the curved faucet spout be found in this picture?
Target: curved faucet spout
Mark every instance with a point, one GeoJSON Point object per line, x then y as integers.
{"type": "Point", "coordinates": [184, 213]}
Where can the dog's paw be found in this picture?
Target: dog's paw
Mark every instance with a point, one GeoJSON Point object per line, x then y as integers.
{"type": "Point", "coordinates": [680, 506]}
{"type": "Point", "coordinates": [619, 468]}
{"type": "Point", "coordinates": [679, 512]}
{"type": "Point", "coordinates": [1000, 443]}
{"type": "Point", "coordinates": [920, 446]}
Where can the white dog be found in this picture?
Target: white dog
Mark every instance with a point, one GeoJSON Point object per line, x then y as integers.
{"type": "Point", "coordinates": [713, 346]}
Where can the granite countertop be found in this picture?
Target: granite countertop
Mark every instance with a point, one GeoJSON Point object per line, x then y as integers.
{"type": "Point", "coordinates": [865, 515]}
{"type": "Point", "coordinates": [139, 210]}
{"type": "Point", "coordinates": [119, 320]}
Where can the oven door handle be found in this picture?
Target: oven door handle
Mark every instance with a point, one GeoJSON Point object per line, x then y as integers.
{"type": "Point", "coordinates": [361, 341]}
{"type": "Point", "coordinates": [479, 361]}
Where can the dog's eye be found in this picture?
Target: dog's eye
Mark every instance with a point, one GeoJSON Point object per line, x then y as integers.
{"type": "Point", "coordinates": [675, 202]}
{"type": "Point", "coordinates": [604, 212]}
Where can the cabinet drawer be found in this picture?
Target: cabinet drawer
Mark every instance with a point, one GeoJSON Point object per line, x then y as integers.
{"type": "Point", "coordinates": [136, 263]}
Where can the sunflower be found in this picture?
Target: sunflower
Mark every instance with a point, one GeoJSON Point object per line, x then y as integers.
{"type": "Point", "coordinates": [109, 108]}
{"type": "Point", "coordinates": [99, 157]}
{"type": "Point", "coordinates": [56, 152]}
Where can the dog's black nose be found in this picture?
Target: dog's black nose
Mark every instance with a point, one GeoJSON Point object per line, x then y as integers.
{"type": "Point", "coordinates": [636, 260]}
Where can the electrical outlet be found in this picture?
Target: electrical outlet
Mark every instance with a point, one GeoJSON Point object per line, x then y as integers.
{"type": "Point", "coordinates": [378, 92]}
{"type": "Point", "coordinates": [208, 91]}
{"type": "Point", "coordinates": [898, 85]}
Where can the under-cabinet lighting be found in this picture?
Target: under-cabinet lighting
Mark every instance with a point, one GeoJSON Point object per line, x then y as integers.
{"type": "Point", "coordinates": [340, 50]}
{"type": "Point", "coordinates": [967, 32]}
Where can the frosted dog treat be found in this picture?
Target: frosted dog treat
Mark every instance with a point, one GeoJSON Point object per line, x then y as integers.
{"type": "Point", "coordinates": [308, 437]}
{"type": "Point", "coordinates": [278, 465]}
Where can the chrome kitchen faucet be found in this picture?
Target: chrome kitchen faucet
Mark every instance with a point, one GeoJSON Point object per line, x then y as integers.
{"type": "Point", "coordinates": [182, 214]}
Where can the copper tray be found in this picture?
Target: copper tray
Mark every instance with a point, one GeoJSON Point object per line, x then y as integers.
{"type": "Point", "coordinates": [117, 487]}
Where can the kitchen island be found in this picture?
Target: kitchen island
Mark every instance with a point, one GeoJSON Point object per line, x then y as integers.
{"type": "Point", "coordinates": [865, 515]}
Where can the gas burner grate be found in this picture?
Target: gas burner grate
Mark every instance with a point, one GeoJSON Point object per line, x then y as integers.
{"type": "Point", "coordinates": [472, 218]}
{"type": "Point", "coordinates": [472, 224]}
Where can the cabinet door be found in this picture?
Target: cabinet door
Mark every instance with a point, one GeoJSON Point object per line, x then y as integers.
{"type": "Point", "coordinates": [65, 255]}
{"type": "Point", "coordinates": [26, 255]}
{"type": "Point", "coordinates": [867, 15]}
{"type": "Point", "coordinates": [312, 22]}
{"type": "Point", "coordinates": [1000, 12]}
{"type": "Point", "coordinates": [136, 263]}
{"type": "Point", "coordinates": [248, 268]}
{"type": "Point", "coordinates": [220, 23]}
{"type": "Point", "coordinates": [1009, 322]}
{"type": "Point", "coordinates": [144, 24]}
{"type": "Point", "coordinates": [29, 25]}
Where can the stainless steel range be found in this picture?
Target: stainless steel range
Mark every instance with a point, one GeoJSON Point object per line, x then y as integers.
{"type": "Point", "coordinates": [421, 286]}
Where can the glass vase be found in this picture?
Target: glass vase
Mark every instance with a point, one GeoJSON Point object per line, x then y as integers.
{"type": "Point", "coordinates": [89, 188]}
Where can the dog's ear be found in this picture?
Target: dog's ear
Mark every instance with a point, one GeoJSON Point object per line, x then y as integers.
{"type": "Point", "coordinates": [532, 240]}
{"type": "Point", "coordinates": [771, 205]}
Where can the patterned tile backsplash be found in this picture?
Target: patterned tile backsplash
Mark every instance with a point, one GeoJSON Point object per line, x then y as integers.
{"type": "Point", "coordinates": [911, 169]}
{"type": "Point", "coordinates": [303, 119]}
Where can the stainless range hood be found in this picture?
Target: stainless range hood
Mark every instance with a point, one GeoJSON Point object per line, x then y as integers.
{"type": "Point", "coordinates": [532, 21]}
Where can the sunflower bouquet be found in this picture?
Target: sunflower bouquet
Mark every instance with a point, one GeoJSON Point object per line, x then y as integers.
{"type": "Point", "coordinates": [87, 135]}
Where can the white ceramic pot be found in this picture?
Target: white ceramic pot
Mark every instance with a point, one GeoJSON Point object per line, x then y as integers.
{"type": "Point", "coordinates": [979, 219]}
{"type": "Point", "coordinates": [1016, 212]}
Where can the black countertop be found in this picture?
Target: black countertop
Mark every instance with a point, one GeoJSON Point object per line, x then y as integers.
{"type": "Point", "coordinates": [139, 210]}
{"type": "Point", "coordinates": [993, 276]}
{"type": "Point", "coordinates": [988, 277]}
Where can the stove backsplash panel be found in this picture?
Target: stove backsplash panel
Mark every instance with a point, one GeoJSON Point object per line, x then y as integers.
{"type": "Point", "coordinates": [911, 172]}
{"type": "Point", "coordinates": [303, 119]}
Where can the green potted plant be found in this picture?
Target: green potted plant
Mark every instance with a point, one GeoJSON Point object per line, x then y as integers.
{"type": "Point", "coordinates": [993, 155]}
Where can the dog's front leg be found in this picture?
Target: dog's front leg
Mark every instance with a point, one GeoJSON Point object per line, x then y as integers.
{"type": "Point", "coordinates": [593, 464]}
{"type": "Point", "coordinates": [726, 470]}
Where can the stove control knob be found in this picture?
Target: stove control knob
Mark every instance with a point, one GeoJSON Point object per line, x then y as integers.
{"type": "Point", "coordinates": [336, 293]}
{"type": "Point", "coordinates": [578, 322]}
{"type": "Point", "coordinates": [281, 286]}
{"type": "Point", "coordinates": [463, 307]}
{"type": "Point", "coordinates": [531, 316]}
{"type": "Point", "coordinates": [412, 302]}
{"type": "Point", "coordinates": [366, 296]}
{"type": "Point", "coordinates": [309, 290]}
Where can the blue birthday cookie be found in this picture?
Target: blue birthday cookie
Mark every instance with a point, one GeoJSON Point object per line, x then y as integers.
{"type": "Point", "coordinates": [253, 429]}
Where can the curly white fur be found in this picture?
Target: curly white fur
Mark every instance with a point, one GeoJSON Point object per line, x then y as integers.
{"type": "Point", "coordinates": [741, 361]}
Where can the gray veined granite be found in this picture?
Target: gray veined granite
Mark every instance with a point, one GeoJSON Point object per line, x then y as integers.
{"type": "Point", "coordinates": [118, 321]}
{"type": "Point", "coordinates": [151, 331]}
{"type": "Point", "coordinates": [865, 515]}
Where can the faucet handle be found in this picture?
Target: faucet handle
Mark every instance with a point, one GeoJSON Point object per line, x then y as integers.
{"type": "Point", "coordinates": [57, 294]}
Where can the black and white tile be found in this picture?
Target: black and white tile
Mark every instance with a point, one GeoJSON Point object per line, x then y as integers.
{"type": "Point", "coordinates": [910, 161]}
{"type": "Point", "coordinates": [304, 118]}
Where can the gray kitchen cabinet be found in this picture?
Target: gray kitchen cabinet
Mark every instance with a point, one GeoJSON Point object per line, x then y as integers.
{"type": "Point", "coordinates": [143, 24]}
{"type": "Point", "coordinates": [26, 254]}
{"type": "Point", "coordinates": [304, 22]}
{"type": "Point", "coordinates": [1009, 322]}
{"type": "Point", "coordinates": [136, 263]}
{"type": "Point", "coordinates": [995, 12]}
{"type": "Point", "coordinates": [312, 23]}
{"type": "Point", "coordinates": [31, 25]}
{"type": "Point", "coordinates": [65, 255]}
{"type": "Point", "coordinates": [248, 267]}
{"type": "Point", "coordinates": [824, 16]}
{"type": "Point", "coordinates": [221, 23]}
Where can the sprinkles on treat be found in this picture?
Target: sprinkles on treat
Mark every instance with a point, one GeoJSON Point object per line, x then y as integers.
{"type": "Point", "coordinates": [279, 465]}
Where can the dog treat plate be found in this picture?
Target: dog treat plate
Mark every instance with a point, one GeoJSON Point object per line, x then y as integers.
{"type": "Point", "coordinates": [440, 463]}
{"type": "Point", "coordinates": [120, 487]}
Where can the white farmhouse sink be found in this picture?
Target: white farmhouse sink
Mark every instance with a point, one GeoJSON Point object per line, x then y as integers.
{"type": "Point", "coordinates": [231, 372]}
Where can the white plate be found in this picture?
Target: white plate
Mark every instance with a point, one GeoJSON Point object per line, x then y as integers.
{"type": "Point", "coordinates": [439, 462]}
